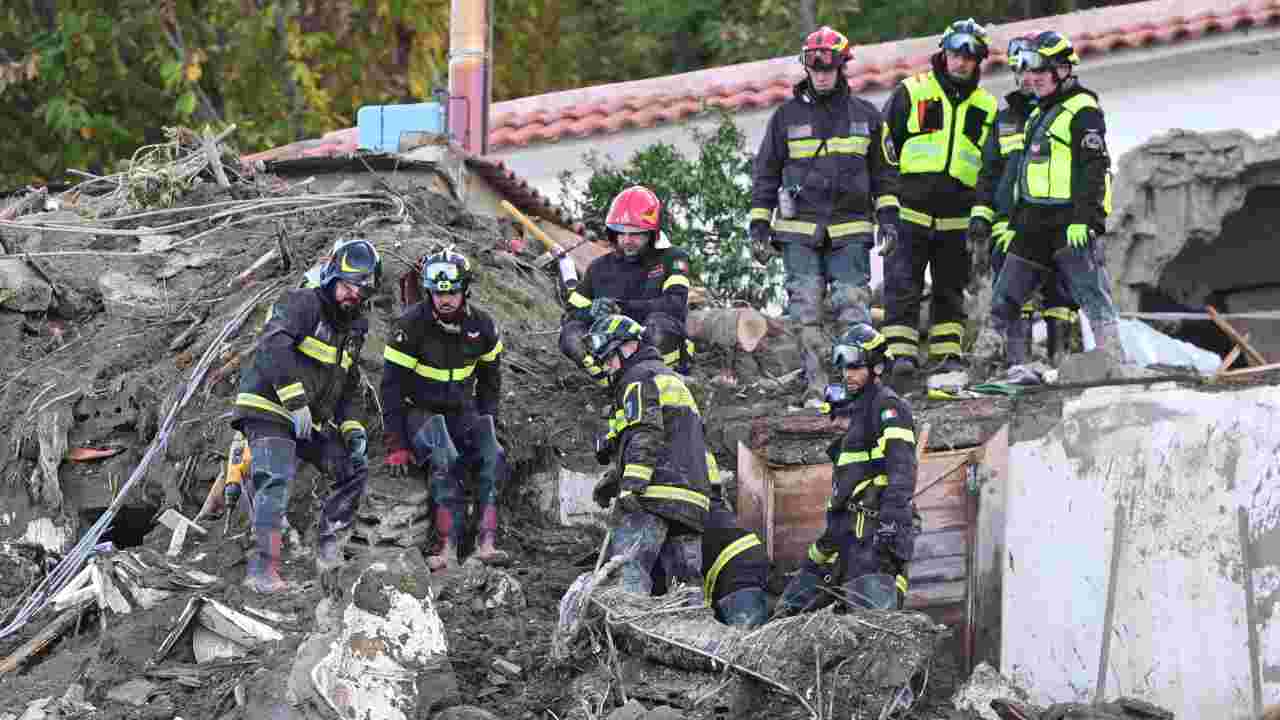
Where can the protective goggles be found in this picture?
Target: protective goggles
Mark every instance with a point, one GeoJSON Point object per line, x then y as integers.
{"type": "Point", "coordinates": [1033, 61]}
{"type": "Point", "coordinates": [848, 356]}
{"type": "Point", "coordinates": [443, 277]}
{"type": "Point", "coordinates": [821, 59]}
{"type": "Point", "coordinates": [1017, 46]}
{"type": "Point", "coordinates": [628, 229]}
{"type": "Point", "coordinates": [965, 44]}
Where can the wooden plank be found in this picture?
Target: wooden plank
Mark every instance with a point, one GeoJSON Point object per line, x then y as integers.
{"type": "Point", "coordinates": [1254, 357]}
{"type": "Point", "coordinates": [989, 550]}
{"type": "Point", "coordinates": [51, 632]}
{"type": "Point", "coordinates": [937, 570]}
{"type": "Point", "coordinates": [940, 543]}
{"type": "Point", "coordinates": [950, 491]}
{"type": "Point", "coordinates": [934, 594]}
{"type": "Point", "coordinates": [942, 517]}
{"type": "Point", "coordinates": [1230, 359]}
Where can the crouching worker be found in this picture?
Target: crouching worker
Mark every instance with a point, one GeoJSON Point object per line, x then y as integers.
{"type": "Point", "coordinates": [294, 403]}
{"type": "Point", "coordinates": [441, 383]}
{"type": "Point", "coordinates": [735, 566]}
{"type": "Point", "coordinates": [656, 447]}
{"type": "Point", "coordinates": [870, 530]}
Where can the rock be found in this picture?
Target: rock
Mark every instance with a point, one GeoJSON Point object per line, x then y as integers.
{"type": "Point", "coordinates": [41, 240]}
{"type": "Point", "coordinates": [633, 710]}
{"type": "Point", "coordinates": [465, 712]}
{"type": "Point", "coordinates": [36, 710]}
{"type": "Point", "coordinates": [664, 713]}
{"type": "Point", "coordinates": [22, 289]}
{"type": "Point", "coordinates": [134, 692]}
{"type": "Point", "coordinates": [949, 381]}
{"type": "Point", "coordinates": [984, 685]}
{"type": "Point", "coordinates": [1095, 366]}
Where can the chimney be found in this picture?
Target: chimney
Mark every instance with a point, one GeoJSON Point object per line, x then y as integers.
{"type": "Point", "coordinates": [470, 34]}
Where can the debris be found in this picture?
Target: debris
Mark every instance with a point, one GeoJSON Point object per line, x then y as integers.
{"type": "Point", "coordinates": [1144, 345]}
{"type": "Point", "coordinates": [244, 277]}
{"type": "Point", "coordinates": [36, 710]}
{"type": "Point", "coordinates": [1255, 357]}
{"type": "Point", "coordinates": [986, 684]}
{"type": "Point", "coordinates": [186, 337]}
{"type": "Point", "coordinates": [51, 632]}
{"type": "Point", "coordinates": [631, 711]}
{"type": "Point", "coordinates": [83, 454]}
{"type": "Point", "coordinates": [464, 712]}
{"type": "Point", "coordinates": [179, 525]}
{"type": "Point", "coordinates": [1094, 366]}
{"type": "Point", "coordinates": [32, 199]}
{"type": "Point", "coordinates": [220, 632]}
{"type": "Point", "coordinates": [506, 667]}
{"type": "Point", "coordinates": [740, 328]}
{"type": "Point", "coordinates": [135, 692]}
{"type": "Point", "coordinates": [22, 289]}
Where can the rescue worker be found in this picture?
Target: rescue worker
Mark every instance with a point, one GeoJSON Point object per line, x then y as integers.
{"type": "Point", "coordinates": [644, 278]}
{"type": "Point", "coordinates": [826, 169]}
{"type": "Point", "coordinates": [871, 527]}
{"type": "Point", "coordinates": [735, 567]}
{"type": "Point", "coordinates": [1059, 207]}
{"type": "Point", "coordinates": [295, 402]}
{"type": "Point", "coordinates": [939, 121]}
{"type": "Point", "coordinates": [657, 451]}
{"type": "Point", "coordinates": [989, 220]}
{"type": "Point", "coordinates": [441, 384]}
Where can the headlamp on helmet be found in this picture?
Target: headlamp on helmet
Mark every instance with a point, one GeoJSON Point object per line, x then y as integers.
{"type": "Point", "coordinates": [446, 272]}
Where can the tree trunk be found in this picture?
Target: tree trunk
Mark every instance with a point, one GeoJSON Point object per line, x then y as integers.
{"type": "Point", "coordinates": [807, 17]}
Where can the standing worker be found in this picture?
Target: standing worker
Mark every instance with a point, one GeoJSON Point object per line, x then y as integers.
{"type": "Point", "coordinates": [441, 383]}
{"type": "Point", "coordinates": [1060, 199]}
{"type": "Point", "coordinates": [825, 168]}
{"type": "Point", "coordinates": [659, 457]}
{"type": "Point", "coordinates": [939, 120]}
{"type": "Point", "coordinates": [295, 400]}
{"type": "Point", "coordinates": [989, 220]}
{"type": "Point", "coordinates": [644, 278]}
{"type": "Point", "coordinates": [870, 534]}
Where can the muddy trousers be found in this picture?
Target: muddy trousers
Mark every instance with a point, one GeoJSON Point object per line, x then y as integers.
{"type": "Point", "coordinates": [1020, 277]}
{"type": "Point", "coordinates": [745, 608]}
{"type": "Point", "coordinates": [1058, 309]}
{"type": "Point", "coordinates": [865, 573]}
{"type": "Point", "coordinates": [660, 329]}
{"type": "Point", "coordinates": [841, 272]}
{"type": "Point", "coordinates": [652, 540]}
{"type": "Point", "coordinates": [274, 454]}
{"type": "Point", "coordinates": [451, 447]}
{"type": "Point", "coordinates": [946, 254]}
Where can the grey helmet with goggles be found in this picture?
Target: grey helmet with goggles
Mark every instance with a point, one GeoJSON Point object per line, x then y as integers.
{"type": "Point", "coordinates": [966, 37]}
{"type": "Point", "coordinates": [860, 346]}
{"type": "Point", "coordinates": [356, 262]}
{"type": "Point", "coordinates": [607, 336]}
{"type": "Point", "coordinates": [1048, 50]}
{"type": "Point", "coordinates": [446, 272]}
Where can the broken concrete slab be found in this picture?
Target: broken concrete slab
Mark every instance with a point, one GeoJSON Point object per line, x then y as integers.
{"type": "Point", "coordinates": [633, 710]}
{"type": "Point", "coordinates": [38, 238]}
{"type": "Point", "coordinates": [22, 289]}
{"type": "Point", "coordinates": [984, 685]}
{"type": "Point", "coordinates": [135, 692]}
{"type": "Point", "coordinates": [1095, 366]}
{"type": "Point", "coordinates": [664, 712]}
{"type": "Point", "coordinates": [42, 709]}
{"type": "Point", "coordinates": [464, 712]}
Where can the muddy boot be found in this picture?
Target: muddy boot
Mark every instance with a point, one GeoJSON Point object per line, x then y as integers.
{"type": "Point", "coordinates": [1107, 337]}
{"type": "Point", "coordinates": [812, 347]}
{"type": "Point", "coordinates": [263, 576]}
{"type": "Point", "coordinates": [485, 538]}
{"type": "Point", "coordinates": [1058, 339]}
{"type": "Point", "coordinates": [447, 557]}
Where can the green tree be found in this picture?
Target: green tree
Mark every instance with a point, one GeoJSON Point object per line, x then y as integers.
{"type": "Point", "coordinates": [705, 199]}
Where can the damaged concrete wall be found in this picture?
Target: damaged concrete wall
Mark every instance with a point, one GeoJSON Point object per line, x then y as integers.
{"type": "Point", "coordinates": [1178, 464]}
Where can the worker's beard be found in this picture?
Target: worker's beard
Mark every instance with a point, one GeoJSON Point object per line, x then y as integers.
{"type": "Point", "coordinates": [453, 318]}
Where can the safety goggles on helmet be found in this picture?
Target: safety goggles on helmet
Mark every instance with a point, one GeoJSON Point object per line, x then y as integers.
{"type": "Point", "coordinates": [1034, 61]}
{"type": "Point", "coordinates": [356, 263]}
{"type": "Point", "coordinates": [822, 59]}
{"type": "Point", "coordinates": [629, 229]}
{"type": "Point", "coordinates": [1017, 46]}
{"type": "Point", "coordinates": [848, 356]}
{"type": "Point", "coordinates": [965, 44]}
{"type": "Point", "coordinates": [443, 277]}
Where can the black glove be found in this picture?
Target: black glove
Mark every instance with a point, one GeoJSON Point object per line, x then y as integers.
{"type": "Point", "coordinates": [604, 448]}
{"type": "Point", "coordinates": [887, 238]}
{"type": "Point", "coordinates": [629, 504]}
{"type": "Point", "coordinates": [762, 240]}
{"type": "Point", "coordinates": [896, 536]}
{"type": "Point", "coordinates": [606, 488]}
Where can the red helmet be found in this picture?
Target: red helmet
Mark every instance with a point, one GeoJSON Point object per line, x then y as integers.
{"type": "Point", "coordinates": [825, 49]}
{"type": "Point", "coordinates": [635, 209]}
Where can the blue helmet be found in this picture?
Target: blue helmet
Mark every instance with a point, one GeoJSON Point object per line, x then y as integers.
{"type": "Point", "coordinates": [859, 346]}
{"type": "Point", "coordinates": [609, 333]}
{"type": "Point", "coordinates": [354, 261]}
{"type": "Point", "coordinates": [446, 272]}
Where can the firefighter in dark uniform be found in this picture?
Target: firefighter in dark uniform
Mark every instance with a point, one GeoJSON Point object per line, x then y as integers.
{"type": "Point", "coordinates": [871, 523]}
{"type": "Point", "coordinates": [441, 384]}
{"type": "Point", "coordinates": [735, 566]}
{"type": "Point", "coordinates": [825, 170]}
{"type": "Point", "coordinates": [295, 402]}
{"type": "Point", "coordinates": [644, 278]}
{"type": "Point", "coordinates": [658, 455]}
{"type": "Point", "coordinates": [1060, 201]}
{"type": "Point", "coordinates": [939, 121]}
{"type": "Point", "coordinates": [989, 220]}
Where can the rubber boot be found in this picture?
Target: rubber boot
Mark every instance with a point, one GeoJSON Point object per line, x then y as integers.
{"type": "Point", "coordinates": [486, 536]}
{"type": "Point", "coordinates": [812, 346]}
{"type": "Point", "coordinates": [1057, 339]}
{"type": "Point", "coordinates": [264, 563]}
{"type": "Point", "coordinates": [447, 557]}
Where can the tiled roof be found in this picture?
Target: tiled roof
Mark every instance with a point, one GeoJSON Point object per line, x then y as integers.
{"type": "Point", "coordinates": [343, 145]}
{"type": "Point", "coordinates": [758, 85]}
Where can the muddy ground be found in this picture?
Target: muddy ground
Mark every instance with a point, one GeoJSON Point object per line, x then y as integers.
{"type": "Point", "coordinates": [101, 357]}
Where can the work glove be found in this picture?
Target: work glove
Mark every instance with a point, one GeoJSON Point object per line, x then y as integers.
{"type": "Point", "coordinates": [1002, 237]}
{"type": "Point", "coordinates": [301, 422]}
{"type": "Point", "coordinates": [603, 306]}
{"type": "Point", "coordinates": [398, 462]}
{"type": "Point", "coordinates": [606, 488]}
{"type": "Point", "coordinates": [887, 238]}
{"type": "Point", "coordinates": [627, 504]}
{"type": "Point", "coordinates": [1078, 235]}
{"type": "Point", "coordinates": [762, 239]}
{"type": "Point", "coordinates": [604, 448]}
{"type": "Point", "coordinates": [895, 537]}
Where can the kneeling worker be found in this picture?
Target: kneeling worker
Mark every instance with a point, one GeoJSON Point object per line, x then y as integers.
{"type": "Point", "coordinates": [735, 568]}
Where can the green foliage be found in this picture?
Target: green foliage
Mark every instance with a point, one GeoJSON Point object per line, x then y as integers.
{"type": "Point", "coordinates": [706, 201]}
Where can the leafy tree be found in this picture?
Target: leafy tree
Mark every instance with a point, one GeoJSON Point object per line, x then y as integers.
{"type": "Point", "coordinates": [705, 199]}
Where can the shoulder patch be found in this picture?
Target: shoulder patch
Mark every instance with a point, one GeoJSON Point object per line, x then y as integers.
{"type": "Point", "coordinates": [632, 403]}
{"type": "Point", "coordinates": [1092, 140]}
{"type": "Point", "coordinates": [888, 414]}
{"type": "Point", "coordinates": [799, 131]}
{"type": "Point", "coordinates": [862, 128]}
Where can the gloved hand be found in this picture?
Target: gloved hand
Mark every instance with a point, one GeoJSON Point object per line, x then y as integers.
{"type": "Point", "coordinates": [895, 537]}
{"type": "Point", "coordinates": [1002, 238]}
{"type": "Point", "coordinates": [398, 462]}
{"type": "Point", "coordinates": [628, 504]}
{"type": "Point", "coordinates": [358, 445]}
{"type": "Point", "coordinates": [762, 239]}
{"type": "Point", "coordinates": [603, 306]}
{"type": "Point", "coordinates": [606, 488]}
{"type": "Point", "coordinates": [604, 448]}
{"type": "Point", "coordinates": [979, 233]}
{"type": "Point", "coordinates": [1078, 235]}
{"type": "Point", "coordinates": [301, 422]}
{"type": "Point", "coordinates": [887, 238]}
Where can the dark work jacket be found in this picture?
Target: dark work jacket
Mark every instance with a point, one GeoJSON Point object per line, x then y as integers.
{"type": "Point", "coordinates": [1090, 164]}
{"type": "Point", "coordinates": [661, 455]}
{"type": "Point", "coordinates": [440, 368]}
{"type": "Point", "coordinates": [746, 568]}
{"type": "Point", "coordinates": [853, 176]}
{"type": "Point", "coordinates": [875, 462]}
{"type": "Point", "coordinates": [1002, 155]}
{"type": "Point", "coordinates": [305, 356]}
{"type": "Point", "coordinates": [657, 282]}
{"type": "Point", "coordinates": [938, 194]}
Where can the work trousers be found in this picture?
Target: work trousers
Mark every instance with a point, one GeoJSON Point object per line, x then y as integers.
{"type": "Point", "coordinates": [274, 455]}
{"type": "Point", "coordinates": [946, 254]}
{"type": "Point", "coordinates": [653, 540]}
{"type": "Point", "coordinates": [843, 274]}
{"type": "Point", "coordinates": [868, 575]}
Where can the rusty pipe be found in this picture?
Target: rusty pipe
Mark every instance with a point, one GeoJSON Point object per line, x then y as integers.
{"type": "Point", "coordinates": [470, 30]}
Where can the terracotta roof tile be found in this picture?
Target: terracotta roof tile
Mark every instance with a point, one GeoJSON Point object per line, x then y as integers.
{"type": "Point", "coordinates": [763, 84]}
